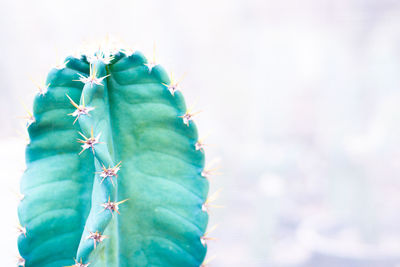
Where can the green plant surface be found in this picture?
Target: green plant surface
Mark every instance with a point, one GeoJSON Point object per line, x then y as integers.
{"type": "Point", "coordinates": [131, 191]}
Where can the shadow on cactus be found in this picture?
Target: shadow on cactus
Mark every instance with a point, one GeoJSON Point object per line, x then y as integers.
{"type": "Point", "coordinates": [114, 169]}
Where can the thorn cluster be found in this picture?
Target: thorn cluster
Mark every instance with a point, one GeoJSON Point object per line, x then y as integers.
{"type": "Point", "coordinates": [21, 230]}
{"type": "Point", "coordinates": [173, 86]}
{"type": "Point", "coordinates": [206, 173]}
{"type": "Point", "coordinates": [42, 87]}
{"type": "Point", "coordinates": [199, 145]}
{"type": "Point", "coordinates": [97, 237]}
{"type": "Point", "coordinates": [209, 171]}
{"type": "Point", "coordinates": [92, 78]}
{"type": "Point", "coordinates": [80, 109]}
{"type": "Point", "coordinates": [206, 238]}
{"type": "Point", "coordinates": [30, 119]}
{"type": "Point", "coordinates": [150, 65]}
{"type": "Point", "coordinates": [29, 116]}
{"type": "Point", "coordinates": [112, 206]}
{"type": "Point", "coordinates": [110, 172]}
{"type": "Point", "coordinates": [100, 56]}
{"type": "Point", "coordinates": [89, 142]}
{"type": "Point", "coordinates": [188, 116]}
{"type": "Point", "coordinates": [208, 203]}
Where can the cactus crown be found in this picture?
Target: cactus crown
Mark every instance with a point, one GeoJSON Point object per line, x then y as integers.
{"type": "Point", "coordinates": [114, 168]}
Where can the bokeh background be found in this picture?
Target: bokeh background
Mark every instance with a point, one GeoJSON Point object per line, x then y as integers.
{"type": "Point", "coordinates": [301, 106]}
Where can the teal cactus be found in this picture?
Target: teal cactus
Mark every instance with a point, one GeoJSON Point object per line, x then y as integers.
{"type": "Point", "coordinates": [115, 171]}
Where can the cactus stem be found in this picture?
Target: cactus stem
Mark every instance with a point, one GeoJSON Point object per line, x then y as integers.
{"type": "Point", "coordinates": [21, 230]}
{"type": "Point", "coordinates": [92, 78]}
{"type": "Point", "coordinates": [89, 142]}
{"type": "Point", "coordinates": [97, 237]}
{"type": "Point", "coordinates": [112, 206]}
{"type": "Point", "coordinates": [80, 109]}
{"type": "Point", "coordinates": [94, 106]}
{"type": "Point", "coordinates": [79, 264]}
{"type": "Point", "coordinates": [20, 261]}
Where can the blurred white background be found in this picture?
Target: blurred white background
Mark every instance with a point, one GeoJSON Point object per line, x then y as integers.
{"type": "Point", "coordinates": [301, 100]}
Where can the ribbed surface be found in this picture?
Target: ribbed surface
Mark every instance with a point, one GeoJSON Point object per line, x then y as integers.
{"type": "Point", "coordinates": [162, 222]}
{"type": "Point", "coordinates": [57, 182]}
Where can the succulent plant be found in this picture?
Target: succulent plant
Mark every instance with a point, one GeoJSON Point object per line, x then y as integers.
{"type": "Point", "coordinates": [115, 170]}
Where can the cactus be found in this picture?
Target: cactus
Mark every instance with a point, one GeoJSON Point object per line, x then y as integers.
{"type": "Point", "coordinates": [115, 171]}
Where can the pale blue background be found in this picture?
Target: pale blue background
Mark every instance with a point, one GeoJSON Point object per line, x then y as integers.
{"type": "Point", "coordinates": [301, 100]}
